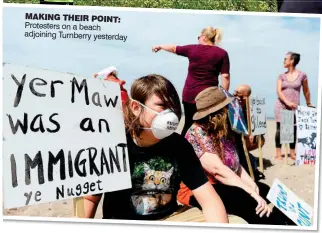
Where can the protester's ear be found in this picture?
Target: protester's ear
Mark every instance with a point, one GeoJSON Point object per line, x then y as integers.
{"type": "Point", "coordinates": [135, 107]}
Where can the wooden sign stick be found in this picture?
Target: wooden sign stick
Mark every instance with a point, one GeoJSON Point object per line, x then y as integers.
{"type": "Point", "coordinates": [286, 153]}
{"type": "Point", "coordinates": [74, 208]}
{"type": "Point", "coordinates": [248, 159]}
{"type": "Point", "coordinates": [243, 139]}
{"type": "Point", "coordinates": [260, 155]}
{"type": "Point", "coordinates": [248, 116]}
{"type": "Point", "coordinates": [78, 207]}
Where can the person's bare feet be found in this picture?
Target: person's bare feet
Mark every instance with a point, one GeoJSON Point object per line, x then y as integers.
{"type": "Point", "coordinates": [278, 154]}
{"type": "Point", "coordinates": [293, 155]}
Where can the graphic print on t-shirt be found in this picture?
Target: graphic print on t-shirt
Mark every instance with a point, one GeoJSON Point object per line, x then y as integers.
{"type": "Point", "coordinates": [153, 185]}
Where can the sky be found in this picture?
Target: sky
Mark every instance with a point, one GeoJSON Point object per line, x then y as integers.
{"type": "Point", "coordinates": [256, 46]}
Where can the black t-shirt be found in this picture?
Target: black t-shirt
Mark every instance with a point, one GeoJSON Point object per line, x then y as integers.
{"type": "Point", "coordinates": [156, 173]}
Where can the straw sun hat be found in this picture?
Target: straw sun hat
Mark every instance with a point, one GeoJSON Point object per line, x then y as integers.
{"type": "Point", "coordinates": [210, 100]}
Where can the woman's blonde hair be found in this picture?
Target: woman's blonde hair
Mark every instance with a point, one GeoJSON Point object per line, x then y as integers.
{"type": "Point", "coordinates": [212, 34]}
{"type": "Point", "coordinates": [216, 124]}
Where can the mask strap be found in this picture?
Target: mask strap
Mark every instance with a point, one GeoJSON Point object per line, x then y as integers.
{"type": "Point", "coordinates": [145, 106]}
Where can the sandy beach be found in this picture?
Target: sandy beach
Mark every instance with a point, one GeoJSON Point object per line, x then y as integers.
{"type": "Point", "coordinates": [300, 179]}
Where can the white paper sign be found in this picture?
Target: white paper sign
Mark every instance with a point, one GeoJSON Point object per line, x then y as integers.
{"type": "Point", "coordinates": [63, 135]}
{"type": "Point", "coordinates": [306, 135]}
{"type": "Point", "coordinates": [292, 206]}
{"type": "Point", "coordinates": [287, 127]}
{"type": "Point", "coordinates": [257, 115]}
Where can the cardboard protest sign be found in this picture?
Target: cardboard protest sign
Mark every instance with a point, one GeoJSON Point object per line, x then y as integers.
{"type": "Point", "coordinates": [292, 206]}
{"type": "Point", "coordinates": [287, 126]}
{"type": "Point", "coordinates": [306, 119]}
{"type": "Point", "coordinates": [64, 137]}
{"type": "Point", "coordinates": [257, 115]}
{"type": "Point", "coordinates": [236, 116]}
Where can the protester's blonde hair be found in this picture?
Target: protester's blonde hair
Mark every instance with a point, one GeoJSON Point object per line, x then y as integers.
{"type": "Point", "coordinates": [212, 34]}
{"type": "Point", "coordinates": [216, 125]}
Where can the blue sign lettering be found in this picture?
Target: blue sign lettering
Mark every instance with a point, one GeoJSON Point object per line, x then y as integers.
{"type": "Point", "coordinates": [281, 198]}
{"type": "Point", "coordinates": [303, 218]}
{"type": "Point", "coordinates": [292, 208]}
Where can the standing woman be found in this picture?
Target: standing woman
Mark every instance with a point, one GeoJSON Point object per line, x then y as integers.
{"type": "Point", "coordinates": [288, 91]}
{"type": "Point", "coordinates": [206, 62]}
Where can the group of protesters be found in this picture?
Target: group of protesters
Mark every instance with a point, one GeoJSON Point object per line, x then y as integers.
{"type": "Point", "coordinates": [203, 167]}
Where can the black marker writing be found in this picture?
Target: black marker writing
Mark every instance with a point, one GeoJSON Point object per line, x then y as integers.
{"type": "Point", "coordinates": [79, 88]}
{"type": "Point", "coordinates": [77, 164]}
{"type": "Point", "coordinates": [32, 86]}
{"type": "Point", "coordinates": [87, 187]}
{"type": "Point", "coordinates": [29, 195]}
{"type": "Point", "coordinates": [114, 160]}
{"type": "Point", "coordinates": [52, 160]}
{"type": "Point", "coordinates": [30, 164]}
{"type": "Point", "coordinates": [92, 166]}
{"type": "Point", "coordinates": [19, 90]}
{"type": "Point", "coordinates": [14, 180]}
{"type": "Point", "coordinates": [87, 125]}
{"type": "Point", "coordinates": [36, 124]}
{"type": "Point", "coordinates": [52, 88]}
{"type": "Point", "coordinates": [90, 160]}
{"type": "Point", "coordinates": [110, 101]}
{"type": "Point", "coordinates": [96, 99]}
{"type": "Point", "coordinates": [40, 124]}
{"type": "Point", "coordinates": [23, 126]}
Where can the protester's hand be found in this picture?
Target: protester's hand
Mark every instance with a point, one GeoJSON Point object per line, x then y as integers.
{"type": "Point", "coordinates": [251, 139]}
{"type": "Point", "coordinates": [292, 105]}
{"type": "Point", "coordinates": [95, 75]}
{"type": "Point", "coordinates": [262, 207]}
{"type": "Point", "coordinates": [156, 48]}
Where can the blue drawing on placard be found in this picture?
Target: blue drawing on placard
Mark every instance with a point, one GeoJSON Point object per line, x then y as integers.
{"type": "Point", "coordinates": [236, 116]}
{"type": "Point", "coordinates": [291, 208]}
{"type": "Point", "coordinates": [303, 216]}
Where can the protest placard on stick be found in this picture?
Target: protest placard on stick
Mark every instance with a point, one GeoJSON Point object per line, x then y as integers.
{"type": "Point", "coordinates": [258, 125]}
{"type": "Point", "coordinates": [287, 126]}
{"type": "Point", "coordinates": [286, 130]}
{"type": "Point", "coordinates": [236, 116]}
{"type": "Point", "coordinates": [239, 125]}
{"type": "Point", "coordinates": [257, 115]}
{"type": "Point", "coordinates": [64, 137]}
{"type": "Point", "coordinates": [306, 119]}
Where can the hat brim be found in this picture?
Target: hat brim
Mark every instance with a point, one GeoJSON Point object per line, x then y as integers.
{"type": "Point", "coordinates": [201, 114]}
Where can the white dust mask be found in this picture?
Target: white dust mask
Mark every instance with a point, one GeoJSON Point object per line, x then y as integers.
{"type": "Point", "coordinates": [164, 123]}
